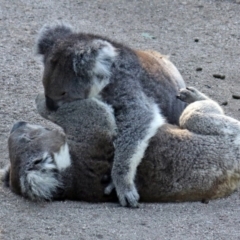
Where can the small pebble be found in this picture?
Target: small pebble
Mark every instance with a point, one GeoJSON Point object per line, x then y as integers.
{"type": "Point", "coordinates": [219, 76]}
{"type": "Point", "coordinates": [199, 69]}
{"type": "Point", "coordinates": [236, 96]}
{"type": "Point", "coordinates": [205, 201]}
{"type": "Point", "coordinates": [196, 40]}
{"type": "Point", "coordinates": [225, 103]}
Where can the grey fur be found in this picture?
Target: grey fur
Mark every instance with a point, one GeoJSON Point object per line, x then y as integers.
{"type": "Point", "coordinates": [179, 165]}
{"type": "Point", "coordinates": [80, 66]}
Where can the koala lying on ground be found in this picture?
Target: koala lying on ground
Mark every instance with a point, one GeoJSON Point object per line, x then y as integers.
{"type": "Point", "coordinates": [140, 86]}
{"type": "Point", "coordinates": [200, 160]}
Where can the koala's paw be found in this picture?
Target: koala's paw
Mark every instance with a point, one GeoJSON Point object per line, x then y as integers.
{"type": "Point", "coordinates": [40, 103]}
{"type": "Point", "coordinates": [189, 95]}
{"type": "Point", "coordinates": [127, 195]}
{"type": "Point", "coordinates": [40, 99]}
{"type": "Point", "coordinates": [41, 106]}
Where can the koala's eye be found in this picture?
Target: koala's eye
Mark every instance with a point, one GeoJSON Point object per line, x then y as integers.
{"type": "Point", "coordinates": [63, 93]}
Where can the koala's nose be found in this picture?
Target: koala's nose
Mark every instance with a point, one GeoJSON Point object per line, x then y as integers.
{"type": "Point", "coordinates": [51, 105]}
{"type": "Point", "coordinates": [18, 125]}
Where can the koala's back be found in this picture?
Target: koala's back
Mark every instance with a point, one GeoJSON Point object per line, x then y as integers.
{"type": "Point", "coordinates": [136, 72]}
{"type": "Point", "coordinates": [166, 83]}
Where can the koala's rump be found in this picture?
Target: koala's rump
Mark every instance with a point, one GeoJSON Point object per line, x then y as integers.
{"type": "Point", "coordinates": [183, 166]}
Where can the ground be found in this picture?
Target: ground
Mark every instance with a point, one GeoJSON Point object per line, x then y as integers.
{"type": "Point", "coordinates": [202, 38]}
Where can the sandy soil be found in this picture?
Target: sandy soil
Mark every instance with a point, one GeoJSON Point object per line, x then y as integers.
{"type": "Point", "coordinates": [202, 37]}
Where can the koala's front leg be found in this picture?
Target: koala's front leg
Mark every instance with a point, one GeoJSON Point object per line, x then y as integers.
{"type": "Point", "coordinates": [136, 125]}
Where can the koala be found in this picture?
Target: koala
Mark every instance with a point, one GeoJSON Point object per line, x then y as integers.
{"type": "Point", "coordinates": [140, 86]}
{"type": "Point", "coordinates": [196, 161]}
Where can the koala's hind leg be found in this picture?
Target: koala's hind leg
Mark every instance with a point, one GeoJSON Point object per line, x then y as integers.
{"type": "Point", "coordinates": [205, 116]}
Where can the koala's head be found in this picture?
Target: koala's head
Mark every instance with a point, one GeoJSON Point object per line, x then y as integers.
{"type": "Point", "coordinates": [76, 66]}
{"type": "Point", "coordinates": [37, 157]}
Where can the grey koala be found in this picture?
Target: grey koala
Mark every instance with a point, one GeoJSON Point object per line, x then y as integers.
{"type": "Point", "coordinates": [140, 86]}
{"type": "Point", "coordinates": [200, 160]}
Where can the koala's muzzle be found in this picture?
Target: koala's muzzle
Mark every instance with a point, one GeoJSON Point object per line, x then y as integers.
{"type": "Point", "coordinates": [17, 125]}
{"type": "Point", "coordinates": [51, 104]}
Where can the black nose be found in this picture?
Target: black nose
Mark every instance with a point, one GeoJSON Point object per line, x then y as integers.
{"type": "Point", "coordinates": [17, 125]}
{"type": "Point", "coordinates": [51, 105]}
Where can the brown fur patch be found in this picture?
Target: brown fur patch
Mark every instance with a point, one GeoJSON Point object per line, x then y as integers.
{"type": "Point", "coordinates": [159, 66]}
{"type": "Point", "coordinates": [152, 61]}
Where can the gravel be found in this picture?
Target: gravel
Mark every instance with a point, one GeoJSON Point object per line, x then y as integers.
{"type": "Point", "coordinates": [196, 34]}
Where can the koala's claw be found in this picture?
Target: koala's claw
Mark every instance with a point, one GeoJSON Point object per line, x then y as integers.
{"type": "Point", "coordinates": [191, 89]}
{"type": "Point", "coordinates": [109, 188]}
{"type": "Point", "coordinates": [129, 197]}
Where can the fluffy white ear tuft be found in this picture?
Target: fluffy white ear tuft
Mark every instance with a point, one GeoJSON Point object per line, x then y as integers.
{"type": "Point", "coordinates": [101, 71]}
{"type": "Point", "coordinates": [94, 59]}
{"type": "Point", "coordinates": [106, 54]}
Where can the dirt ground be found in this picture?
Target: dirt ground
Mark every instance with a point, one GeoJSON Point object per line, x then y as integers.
{"type": "Point", "coordinates": [203, 39]}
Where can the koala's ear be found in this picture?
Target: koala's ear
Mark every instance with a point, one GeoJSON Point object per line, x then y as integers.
{"type": "Point", "coordinates": [49, 34]}
{"type": "Point", "coordinates": [96, 59]}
